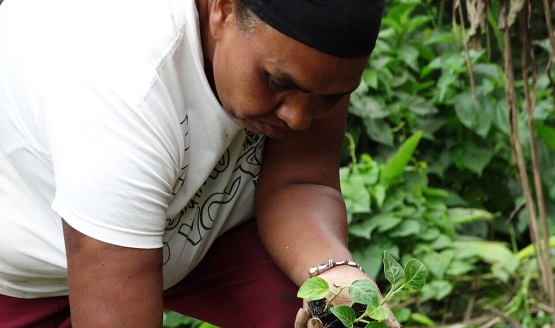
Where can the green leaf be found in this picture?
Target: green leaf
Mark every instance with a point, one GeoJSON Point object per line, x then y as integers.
{"type": "Point", "coordinates": [378, 130]}
{"type": "Point", "coordinates": [459, 215]}
{"type": "Point", "coordinates": [376, 312]}
{"type": "Point", "coordinates": [394, 272]}
{"type": "Point", "coordinates": [459, 268]}
{"type": "Point", "coordinates": [393, 169]}
{"type": "Point", "coordinates": [375, 324]}
{"type": "Point", "coordinates": [422, 319]}
{"type": "Point", "coordinates": [402, 314]}
{"type": "Point", "coordinates": [345, 314]}
{"type": "Point", "coordinates": [491, 252]}
{"type": "Point", "coordinates": [368, 254]}
{"type": "Point", "coordinates": [474, 157]}
{"type": "Point", "coordinates": [472, 114]}
{"type": "Point", "coordinates": [382, 221]}
{"type": "Point", "coordinates": [378, 192]}
{"type": "Point", "coordinates": [415, 274]}
{"type": "Point", "coordinates": [436, 289]}
{"type": "Point", "coordinates": [435, 263]}
{"type": "Point", "coordinates": [367, 107]}
{"type": "Point", "coordinates": [314, 289]}
{"type": "Point", "coordinates": [409, 55]}
{"type": "Point", "coordinates": [444, 84]}
{"type": "Point", "coordinates": [500, 274]}
{"type": "Point", "coordinates": [546, 133]}
{"type": "Point", "coordinates": [500, 116]}
{"type": "Point", "coordinates": [370, 77]}
{"type": "Point", "coordinates": [421, 106]}
{"type": "Point", "coordinates": [364, 291]}
{"type": "Point", "coordinates": [207, 325]}
{"type": "Point", "coordinates": [355, 194]}
{"type": "Point", "coordinates": [408, 227]}
{"type": "Point", "coordinates": [429, 234]}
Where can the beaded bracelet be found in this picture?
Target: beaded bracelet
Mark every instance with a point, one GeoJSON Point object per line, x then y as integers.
{"type": "Point", "coordinates": [316, 270]}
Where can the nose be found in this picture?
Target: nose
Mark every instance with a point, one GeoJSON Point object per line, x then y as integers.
{"type": "Point", "coordinates": [296, 112]}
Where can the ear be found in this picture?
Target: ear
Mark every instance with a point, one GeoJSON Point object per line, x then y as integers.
{"type": "Point", "coordinates": [222, 15]}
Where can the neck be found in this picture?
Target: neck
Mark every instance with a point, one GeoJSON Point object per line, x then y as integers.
{"type": "Point", "coordinates": [207, 41]}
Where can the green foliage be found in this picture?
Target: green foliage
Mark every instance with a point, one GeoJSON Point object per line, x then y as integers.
{"type": "Point", "coordinates": [418, 80]}
{"type": "Point", "coordinates": [411, 277]}
{"type": "Point", "coordinates": [451, 198]}
{"type": "Point", "coordinates": [408, 218]}
{"type": "Point", "coordinates": [175, 320]}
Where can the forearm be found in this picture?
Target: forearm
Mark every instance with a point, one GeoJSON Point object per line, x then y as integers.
{"type": "Point", "coordinates": [303, 225]}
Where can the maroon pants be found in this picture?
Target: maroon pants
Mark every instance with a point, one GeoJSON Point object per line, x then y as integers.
{"type": "Point", "coordinates": [235, 285]}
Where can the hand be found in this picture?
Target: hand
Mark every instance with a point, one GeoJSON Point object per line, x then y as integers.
{"type": "Point", "coordinates": [343, 275]}
{"type": "Point", "coordinates": [303, 320]}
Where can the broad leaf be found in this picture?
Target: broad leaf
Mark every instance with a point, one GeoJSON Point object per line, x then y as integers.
{"type": "Point", "coordinates": [355, 194]}
{"type": "Point", "coordinates": [415, 274]}
{"type": "Point", "coordinates": [422, 319]}
{"type": "Point", "coordinates": [436, 289]}
{"type": "Point", "coordinates": [364, 291]}
{"type": "Point", "coordinates": [546, 133]}
{"type": "Point", "coordinates": [394, 168]}
{"type": "Point", "coordinates": [471, 113]}
{"type": "Point", "coordinates": [474, 157]}
{"type": "Point", "coordinates": [375, 324]}
{"type": "Point", "coordinates": [459, 215]}
{"type": "Point", "coordinates": [393, 270]}
{"type": "Point", "coordinates": [377, 312]}
{"type": "Point", "coordinates": [345, 314]}
{"type": "Point", "coordinates": [314, 289]}
{"type": "Point", "coordinates": [492, 252]}
{"type": "Point", "coordinates": [379, 131]}
{"type": "Point", "coordinates": [408, 227]}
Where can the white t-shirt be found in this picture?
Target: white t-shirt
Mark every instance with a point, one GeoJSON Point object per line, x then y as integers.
{"type": "Point", "coordinates": [107, 120]}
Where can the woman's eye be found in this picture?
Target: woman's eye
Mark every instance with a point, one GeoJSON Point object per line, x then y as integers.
{"type": "Point", "coordinates": [275, 85]}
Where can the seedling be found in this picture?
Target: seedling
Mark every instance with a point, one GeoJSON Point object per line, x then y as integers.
{"type": "Point", "coordinates": [364, 292]}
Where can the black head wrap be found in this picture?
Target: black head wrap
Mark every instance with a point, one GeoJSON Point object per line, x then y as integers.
{"type": "Point", "coordinates": [342, 28]}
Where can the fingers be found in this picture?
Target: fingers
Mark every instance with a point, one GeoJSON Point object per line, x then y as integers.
{"type": "Point", "coordinates": [315, 323]}
{"type": "Point", "coordinates": [301, 320]}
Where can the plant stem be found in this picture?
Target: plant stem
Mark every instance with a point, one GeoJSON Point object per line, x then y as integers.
{"type": "Point", "coordinates": [390, 294]}
{"type": "Point", "coordinates": [333, 297]}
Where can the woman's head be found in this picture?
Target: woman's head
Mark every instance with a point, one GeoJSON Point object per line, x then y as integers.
{"type": "Point", "coordinates": [272, 82]}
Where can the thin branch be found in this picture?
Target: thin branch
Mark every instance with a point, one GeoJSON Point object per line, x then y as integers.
{"type": "Point", "coordinates": [505, 317]}
{"type": "Point", "coordinates": [551, 36]}
{"type": "Point", "coordinates": [515, 136]}
{"type": "Point", "coordinates": [458, 7]}
{"type": "Point", "coordinates": [530, 96]}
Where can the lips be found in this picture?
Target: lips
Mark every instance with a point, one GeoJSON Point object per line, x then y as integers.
{"type": "Point", "coordinates": [273, 130]}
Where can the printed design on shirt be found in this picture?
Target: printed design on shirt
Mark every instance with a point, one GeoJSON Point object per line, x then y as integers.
{"type": "Point", "coordinates": [252, 155]}
{"type": "Point", "coordinates": [183, 171]}
{"type": "Point", "coordinates": [212, 201]}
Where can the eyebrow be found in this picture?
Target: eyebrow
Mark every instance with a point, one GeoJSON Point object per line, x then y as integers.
{"type": "Point", "coordinates": [287, 80]}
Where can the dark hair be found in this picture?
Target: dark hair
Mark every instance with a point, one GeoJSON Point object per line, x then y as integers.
{"type": "Point", "coordinates": [246, 19]}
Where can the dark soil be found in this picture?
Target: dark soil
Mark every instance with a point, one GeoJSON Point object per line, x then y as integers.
{"type": "Point", "coordinates": [316, 309]}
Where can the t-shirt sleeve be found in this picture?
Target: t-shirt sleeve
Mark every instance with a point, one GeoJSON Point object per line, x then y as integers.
{"type": "Point", "coordinates": [115, 159]}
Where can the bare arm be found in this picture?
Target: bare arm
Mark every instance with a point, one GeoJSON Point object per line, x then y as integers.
{"type": "Point", "coordinates": [299, 208]}
{"type": "Point", "coordinates": [112, 286]}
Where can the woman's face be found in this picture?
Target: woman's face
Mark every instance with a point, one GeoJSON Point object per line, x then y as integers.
{"type": "Point", "coordinates": [273, 84]}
